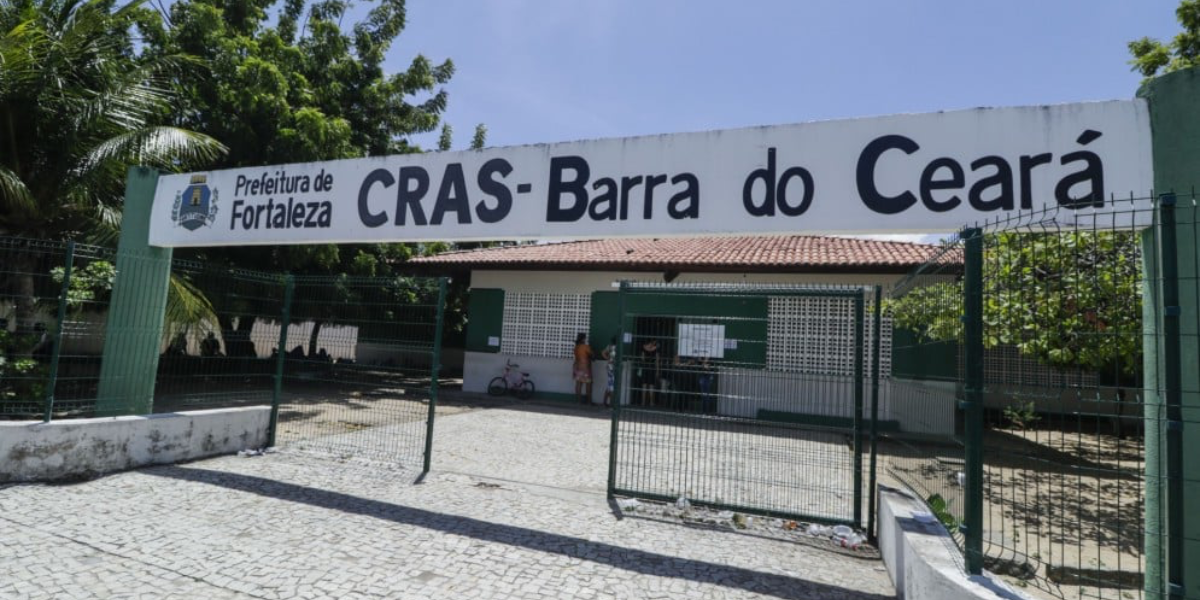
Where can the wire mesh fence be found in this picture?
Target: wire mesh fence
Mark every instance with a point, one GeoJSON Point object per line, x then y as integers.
{"type": "Point", "coordinates": [53, 298]}
{"type": "Point", "coordinates": [925, 450]}
{"type": "Point", "coordinates": [1063, 476]}
{"type": "Point", "coordinates": [1036, 365]}
{"type": "Point", "coordinates": [348, 364]}
{"type": "Point", "coordinates": [360, 370]}
{"type": "Point", "coordinates": [221, 337]}
{"type": "Point", "coordinates": [742, 397]}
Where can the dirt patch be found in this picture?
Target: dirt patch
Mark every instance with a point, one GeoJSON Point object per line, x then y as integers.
{"type": "Point", "coordinates": [1063, 509]}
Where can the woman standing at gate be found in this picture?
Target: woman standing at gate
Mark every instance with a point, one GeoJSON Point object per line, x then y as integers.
{"type": "Point", "coordinates": [583, 369]}
{"type": "Point", "coordinates": [649, 371]}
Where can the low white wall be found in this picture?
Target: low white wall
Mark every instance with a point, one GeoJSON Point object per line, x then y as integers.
{"type": "Point", "coordinates": [927, 407]}
{"type": "Point", "coordinates": [922, 559]}
{"type": "Point", "coordinates": [35, 451]}
{"type": "Point", "coordinates": [549, 375]}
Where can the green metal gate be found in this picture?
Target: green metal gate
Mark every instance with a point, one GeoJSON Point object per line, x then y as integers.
{"type": "Point", "coordinates": [359, 360]}
{"type": "Point", "coordinates": [751, 398]}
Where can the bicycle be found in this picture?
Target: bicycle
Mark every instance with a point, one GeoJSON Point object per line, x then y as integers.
{"type": "Point", "coordinates": [512, 382]}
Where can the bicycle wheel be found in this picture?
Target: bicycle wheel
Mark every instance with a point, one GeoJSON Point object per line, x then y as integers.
{"type": "Point", "coordinates": [497, 386]}
{"type": "Point", "coordinates": [525, 392]}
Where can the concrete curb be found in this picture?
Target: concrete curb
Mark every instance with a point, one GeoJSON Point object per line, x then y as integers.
{"type": "Point", "coordinates": [73, 448]}
{"type": "Point", "coordinates": [922, 559]}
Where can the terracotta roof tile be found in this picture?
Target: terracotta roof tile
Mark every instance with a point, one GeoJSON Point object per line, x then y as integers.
{"type": "Point", "coordinates": [754, 253]}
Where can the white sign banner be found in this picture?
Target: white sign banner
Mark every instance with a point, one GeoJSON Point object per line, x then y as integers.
{"type": "Point", "coordinates": [896, 174]}
{"type": "Point", "coordinates": [701, 341]}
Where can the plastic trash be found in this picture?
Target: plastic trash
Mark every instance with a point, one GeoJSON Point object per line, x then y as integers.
{"type": "Point", "coordinates": [847, 537]}
{"type": "Point", "coordinates": [819, 530]}
{"type": "Point", "coordinates": [725, 515]}
{"type": "Point", "coordinates": [852, 541]}
{"type": "Point", "coordinates": [628, 503]}
{"type": "Point", "coordinates": [682, 503]}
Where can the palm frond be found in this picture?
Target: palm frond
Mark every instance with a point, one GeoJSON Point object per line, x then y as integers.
{"type": "Point", "coordinates": [187, 307]}
{"type": "Point", "coordinates": [169, 148]}
{"type": "Point", "coordinates": [14, 194]}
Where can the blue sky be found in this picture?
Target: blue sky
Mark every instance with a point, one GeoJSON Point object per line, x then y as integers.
{"type": "Point", "coordinates": [554, 70]}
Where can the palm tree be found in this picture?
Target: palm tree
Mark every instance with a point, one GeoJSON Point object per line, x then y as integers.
{"type": "Point", "coordinates": [78, 106]}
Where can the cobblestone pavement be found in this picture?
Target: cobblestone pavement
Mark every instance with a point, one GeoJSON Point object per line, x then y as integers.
{"type": "Point", "coordinates": [512, 509]}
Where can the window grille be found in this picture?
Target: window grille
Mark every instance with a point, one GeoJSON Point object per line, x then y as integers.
{"type": "Point", "coordinates": [540, 324]}
{"type": "Point", "coordinates": [816, 335]}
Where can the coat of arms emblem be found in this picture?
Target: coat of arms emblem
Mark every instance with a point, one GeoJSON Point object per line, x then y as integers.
{"type": "Point", "coordinates": [196, 205]}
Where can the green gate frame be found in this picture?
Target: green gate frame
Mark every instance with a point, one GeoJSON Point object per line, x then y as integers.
{"type": "Point", "coordinates": [858, 294]}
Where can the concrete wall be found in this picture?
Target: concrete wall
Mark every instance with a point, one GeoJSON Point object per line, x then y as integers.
{"type": "Point", "coordinates": [35, 451]}
{"type": "Point", "coordinates": [923, 561]}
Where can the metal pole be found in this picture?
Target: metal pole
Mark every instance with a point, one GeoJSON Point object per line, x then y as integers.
{"type": "Point", "coordinates": [973, 392]}
{"type": "Point", "coordinates": [859, 329]}
{"type": "Point", "coordinates": [618, 392]}
{"type": "Point", "coordinates": [285, 321]}
{"type": "Point", "coordinates": [436, 372]}
{"type": "Point", "coordinates": [875, 369]}
{"type": "Point", "coordinates": [56, 349]}
{"type": "Point", "coordinates": [1172, 388]}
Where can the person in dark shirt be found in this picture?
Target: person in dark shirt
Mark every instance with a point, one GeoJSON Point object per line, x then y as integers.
{"type": "Point", "coordinates": [649, 370]}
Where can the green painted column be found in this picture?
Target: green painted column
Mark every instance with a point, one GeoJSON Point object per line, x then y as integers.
{"type": "Point", "coordinates": [1155, 581]}
{"type": "Point", "coordinates": [133, 336]}
{"type": "Point", "coordinates": [1173, 447]}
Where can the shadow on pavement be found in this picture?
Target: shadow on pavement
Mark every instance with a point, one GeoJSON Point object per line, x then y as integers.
{"type": "Point", "coordinates": [629, 559]}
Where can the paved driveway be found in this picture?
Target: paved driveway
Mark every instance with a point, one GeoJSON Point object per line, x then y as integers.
{"type": "Point", "coordinates": [513, 509]}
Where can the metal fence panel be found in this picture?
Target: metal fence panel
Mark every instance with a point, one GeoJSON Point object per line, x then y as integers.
{"type": "Point", "coordinates": [743, 397]}
{"type": "Point", "coordinates": [360, 366]}
{"type": "Point", "coordinates": [53, 298]}
{"type": "Point", "coordinates": [1039, 334]}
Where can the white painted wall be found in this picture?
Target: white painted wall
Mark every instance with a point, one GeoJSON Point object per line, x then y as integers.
{"type": "Point", "coordinates": [554, 374]}
{"type": "Point", "coordinates": [586, 282]}
{"type": "Point", "coordinates": [36, 451]}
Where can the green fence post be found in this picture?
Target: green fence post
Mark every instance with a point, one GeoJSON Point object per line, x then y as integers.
{"type": "Point", "coordinates": [134, 330]}
{"type": "Point", "coordinates": [1172, 392]}
{"type": "Point", "coordinates": [859, 331]}
{"type": "Point", "coordinates": [1172, 516]}
{"type": "Point", "coordinates": [285, 320]}
{"type": "Point", "coordinates": [875, 369]}
{"type": "Point", "coordinates": [973, 397]}
{"type": "Point", "coordinates": [56, 350]}
{"type": "Point", "coordinates": [435, 373]}
{"type": "Point", "coordinates": [618, 393]}
{"type": "Point", "coordinates": [1152, 415]}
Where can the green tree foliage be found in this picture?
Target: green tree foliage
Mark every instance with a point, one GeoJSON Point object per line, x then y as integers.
{"type": "Point", "coordinates": [77, 106]}
{"type": "Point", "coordinates": [297, 82]}
{"type": "Point", "coordinates": [92, 283]}
{"type": "Point", "coordinates": [1152, 57]}
{"type": "Point", "coordinates": [1068, 300]}
{"type": "Point", "coordinates": [479, 140]}
{"type": "Point", "coordinates": [291, 84]}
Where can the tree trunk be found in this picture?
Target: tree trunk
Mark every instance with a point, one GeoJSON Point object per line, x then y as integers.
{"type": "Point", "coordinates": [312, 339]}
{"type": "Point", "coordinates": [244, 345]}
{"type": "Point", "coordinates": [25, 312]}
